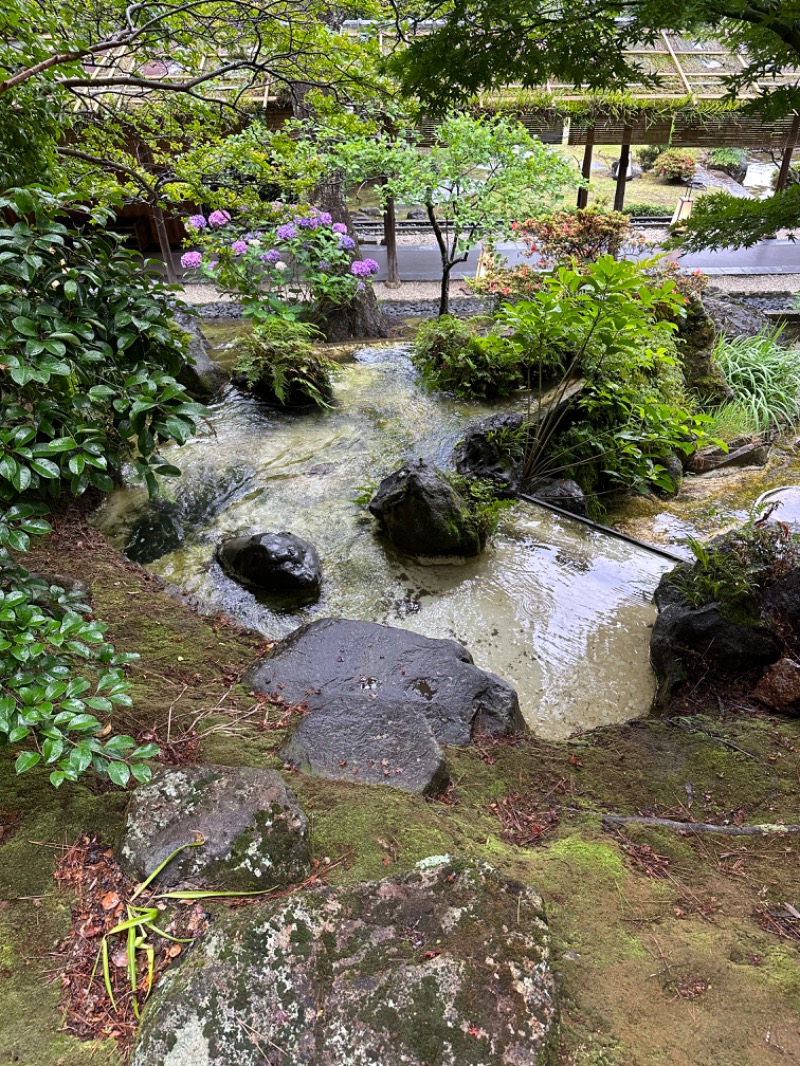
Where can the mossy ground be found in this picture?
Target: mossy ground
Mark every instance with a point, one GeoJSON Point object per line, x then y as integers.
{"type": "Point", "coordinates": [669, 969]}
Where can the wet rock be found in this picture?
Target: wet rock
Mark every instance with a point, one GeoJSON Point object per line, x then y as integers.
{"type": "Point", "coordinates": [487, 451]}
{"type": "Point", "coordinates": [697, 336]}
{"type": "Point", "coordinates": [746, 453]}
{"type": "Point", "coordinates": [779, 686]}
{"type": "Point", "coordinates": [200, 376]}
{"type": "Point", "coordinates": [279, 563]}
{"type": "Point", "coordinates": [256, 835]}
{"type": "Point", "coordinates": [422, 514]}
{"type": "Point", "coordinates": [448, 964]}
{"type": "Point", "coordinates": [336, 658]}
{"type": "Point", "coordinates": [734, 319]}
{"type": "Point", "coordinates": [781, 600]}
{"type": "Point", "coordinates": [370, 741]}
{"type": "Point", "coordinates": [682, 634]}
{"type": "Point", "coordinates": [561, 492]}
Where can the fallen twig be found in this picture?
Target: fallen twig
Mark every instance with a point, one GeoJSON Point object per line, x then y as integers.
{"type": "Point", "coordinates": [702, 827]}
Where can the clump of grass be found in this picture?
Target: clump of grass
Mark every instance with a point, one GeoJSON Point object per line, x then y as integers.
{"type": "Point", "coordinates": [732, 421]}
{"type": "Point", "coordinates": [764, 377]}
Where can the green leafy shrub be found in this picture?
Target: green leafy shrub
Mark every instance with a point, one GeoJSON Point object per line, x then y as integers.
{"type": "Point", "coordinates": [576, 237]}
{"type": "Point", "coordinates": [56, 671]}
{"type": "Point", "coordinates": [732, 160]}
{"type": "Point", "coordinates": [646, 155]}
{"type": "Point", "coordinates": [485, 508]}
{"type": "Point", "coordinates": [764, 377]}
{"type": "Point", "coordinates": [281, 364]}
{"type": "Point", "coordinates": [449, 355]}
{"type": "Point", "coordinates": [718, 575]}
{"type": "Point", "coordinates": [634, 207]}
{"type": "Point", "coordinates": [90, 350]}
{"type": "Point", "coordinates": [675, 164]}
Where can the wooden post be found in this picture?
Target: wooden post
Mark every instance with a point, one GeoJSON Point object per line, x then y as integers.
{"type": "Point", "coordinates": [390, 240]}
{"type": "Point", "coordinates": [622, 173]}
{"type": "Point", "coordinates": [786, 159]}
{"type": "Point", "coordinates": [586, 169]}
{"type": "Point", "coordinates": [163, 241]}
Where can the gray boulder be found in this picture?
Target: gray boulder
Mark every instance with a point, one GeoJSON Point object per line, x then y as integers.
{"type": "Point", "coordinates": [279, 563]}
{"type": "Point", "coordinates": [561, 492]}
{"type": "Point", "coordinates": [371, 741]}
{"type": "Point", "coordinates": [340, 658]}
{"type": "Point", "coordinates": [733, 318]}
{"type": "Point", "coordinates": [255, 834]}
{"type": "Point", "coordinates": [200, 375]}
{"type": "Point", "coordinates": [484, 452]}
{"type": "Point", "coordinates": [422, 514]}
{"type": "Point", "coordinates": [446, 965]}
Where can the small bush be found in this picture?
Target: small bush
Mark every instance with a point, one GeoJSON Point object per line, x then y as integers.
{"type": "Point", "coordinates": [651, 210]}
{"type": "Point", "coordinates": [281, 365]}
{"type": "Point", "coordinates": [647, 155]}
{"type": "Point", "coordinates": [450, 356]}
{"type": "Point", "coordinates": [676, 164]}
{"type": "Point", "coordinates": [732, 160]}
{"type": "Point", "coordinates": [764, 377]}
{"type": "Point", "coordinates": [485, 508]}
{"type": "Point", "coordinates": [582, 236]}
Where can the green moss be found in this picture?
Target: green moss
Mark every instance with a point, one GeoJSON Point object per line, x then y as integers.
{"type": "Point", "coordinates": [600, 861]}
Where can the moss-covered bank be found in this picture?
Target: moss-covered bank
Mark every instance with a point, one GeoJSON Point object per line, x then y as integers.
{"type": "Point", "coordinates": [671, 968]}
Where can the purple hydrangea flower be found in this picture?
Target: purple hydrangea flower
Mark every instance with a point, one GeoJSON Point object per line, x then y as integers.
{"type": "Point", "coordinates": [324, 265]}
{"type": "Point", "coordinates": [239, 247]}
{"type": "Point", "coordinates": [196, 222]}
{"type": "Point", "coordinates": [307, 223]}
{"type": "Point", "coordinates": [347, 243]}
{"type": "Point", "coordinates": [190, 260]}
{"type": "Point", "coordinates": [363, 268]}
{"type": "Point", "coordinates": [325, 218]}
{"type": "Point", "coordinates": [272, 256]}
{"type": "Point", "coordinates": [339, 227]}
{"type": "Point", "coordinates": [218, 218]}
{"type": "Point", "coordinates": [286, 232]}
{"type": "Point", "coordinates": [361, 286]}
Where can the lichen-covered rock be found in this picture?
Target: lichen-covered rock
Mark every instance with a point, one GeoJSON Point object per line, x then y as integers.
{"type": "Point", "coordinates": [422, 514]}
{"type": "Point", "coordinates": [697, 335]}
{"type": "Point", "coordinates": [340, 657]}
{"type": "Point", "coordinates": [372, 742]}
{"type": "Point", "coordinates": [779, 686]}
{"type": "Point", "coordinates": [279, 563]}
{"type": "Point", "coordinates": [448, 965]}
{"type": "Point", "coordinates": [256, 835]}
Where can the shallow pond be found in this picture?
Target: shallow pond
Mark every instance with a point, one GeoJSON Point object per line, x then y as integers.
{"type": "Point", "coordinates": [560, 611]}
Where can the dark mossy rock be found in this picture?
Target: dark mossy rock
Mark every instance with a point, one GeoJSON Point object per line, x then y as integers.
{"type": "Point", "coordinates": [370, 741]}
{"type": "Point", "coordinates": [697, 335]}
{"type": "Point", "coordinates": [486, 452]}
{"type": "Point", "coordinates": [200, 376]}
{"type": "Point", "coordinates": [255, 834]}
{"type": "Point", "coordinates": [294, 397]}
{"type": "Point", "coordinates": [339, 658]}
{"type": "Point", "coordinates": [448, 965]}
{"type": "Point", "coordinates": [732, 318]}
{"type": "Point", "coordinates": [561, 492]}
{"type": "Point", "coordinates": [278, 563]}
{"type": "Point", "coordinates": [781, 599]}
{"type": "Point", "coordinates": [421, 513]}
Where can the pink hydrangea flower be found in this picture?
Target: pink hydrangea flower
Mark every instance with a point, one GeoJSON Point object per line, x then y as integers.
{"type": "Point", "coordinates": [339, 227]}
{"type": "Point", "coordinates": [190, 260]}
{"type": "Point", "coordinates": [218, 218]}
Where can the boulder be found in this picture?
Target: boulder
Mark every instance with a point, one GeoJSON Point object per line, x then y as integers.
{"type": "Point", "coordinates": [734, 319]}
{"type": "Point", "coordinates": [200, 375]}
{"type": "Point", "coordinates": [279, 563]}
{"type": "Point", "coordinates": [681, 633]}
{"type": "Point", "coordinates": [255, 834]}
{"type": "Point", "coordinates": [417, 214]}
{"type": "Point", "coordinates": [371, 741]}
{"type": "Point", "coordinates": [336, 658]}
{"type": "Point", "coordinates": [561, 492]}
{"type": "Point", "coordinates": [781, 599]}
{"type": "Point", "coordinates": [423, 514]}
{"type": "Point", "coordinates": [484, 452]}
{"type": "Point", "coordinates": [779, 686]}
{"type": "Point", "coordinates": [697, 335]}
{"type": "Point", "coordinates": [448, 965]}
{"type": "Point", "coordinates": [739, 453]}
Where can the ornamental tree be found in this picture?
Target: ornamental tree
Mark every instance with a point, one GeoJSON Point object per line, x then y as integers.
{"type": "Point", "coordinates": [473, 46]}
{"type": "Point", "coordinates": [479, 176]}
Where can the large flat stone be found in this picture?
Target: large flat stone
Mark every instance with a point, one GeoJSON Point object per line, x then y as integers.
{"type": "Point", "coordinates": [255, 834]}
{"type": "Point", "coordinates": [374, 742]}
{"type": "Point", "coordinates": [338, 657]}
{"type": "Point", "coordinates": [445, 966]}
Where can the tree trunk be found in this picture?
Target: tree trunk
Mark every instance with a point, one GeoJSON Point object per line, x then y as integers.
{"type": "Point", "coordinates": [390, 240]}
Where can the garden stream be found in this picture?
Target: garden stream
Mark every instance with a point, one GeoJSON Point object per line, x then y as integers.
{"type": "Point", "coordinates": [559, 610]}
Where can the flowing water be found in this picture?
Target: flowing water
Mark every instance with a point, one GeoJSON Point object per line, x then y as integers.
{"type": "Point", "coordinates": [557, 609]}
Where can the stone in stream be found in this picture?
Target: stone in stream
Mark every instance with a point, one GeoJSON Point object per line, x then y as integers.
{"type": "Point", "coordinates": [372, 742]}
{"type": "Point", "coordinates": [561, 492]}
{"type": "Point", "coordinates": [335, 658]}
{"type": "Point", "coordinates": [423, 514]}
{"type": "Point", "coordinates": [200, 375]}
{"type": "Point", "coordinates": [256, 835]}
{"type": "Point", "coordinates": [448, 964]}
{"type": "Point", "coordinates": [278, 563]}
